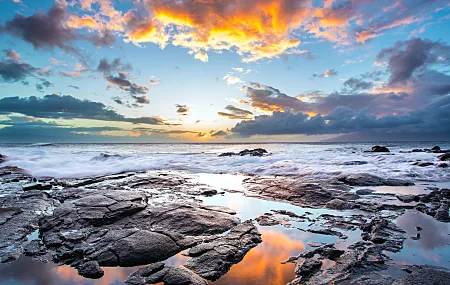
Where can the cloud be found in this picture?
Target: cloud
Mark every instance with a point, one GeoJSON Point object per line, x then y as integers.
{"type": "Point", "coordinates": [50, 30]}
{"type": "Point", "coordinates": [73, 86]}
{"type": "Point", "coordinates": [68, 107]}
{"type": "Point", "coordinates": [12, 54]}
{"type": "Point", "coordinates": [202, 56]}
{"type": "Point", "coordinates": [357, 84]}
{"type": "Point", "coordinates": [406, 57]}
{"type": "Point", "coordinates": [183, 110]}
{"type": "Point", "coordinates": [13, 71]}
{"type": "Point", "coordinates": [121, 81]}
{"type": "Point", "coordinates": [231, 79]}
{"type": "Point", "coordinates": [433, 117]}
{"type": "Point", "coordinates": [106, 67]}
{"type": "Point", "coordinates": [236, 113]}
{"type": "Point", "coordinates": [154, 80]}
{"type": "Point", "coordinates": [326, 74]}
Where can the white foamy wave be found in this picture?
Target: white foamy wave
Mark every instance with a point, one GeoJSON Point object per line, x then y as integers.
{"type": "Point", "coordinates": [319, 161]}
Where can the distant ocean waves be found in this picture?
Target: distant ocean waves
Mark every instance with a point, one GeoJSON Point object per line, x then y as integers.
{"type": "Point", "coordinates": [313, 160]}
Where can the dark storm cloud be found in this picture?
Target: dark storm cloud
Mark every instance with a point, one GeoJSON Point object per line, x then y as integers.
{"type": "Point", "coordinates": [236, 113]}
{"type": "Point", "coordinates": [68, 107]}
{"type": "Point", "coordinates": [121, 81]}
{"type": "Point", "coordinates": [407, 57]}
{"type": "Point", "coordinates": [433, 117]}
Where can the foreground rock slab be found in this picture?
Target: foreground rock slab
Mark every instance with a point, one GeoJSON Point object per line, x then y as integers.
{"type": "Point", "coordinates": [168, 275]}
{"type": "Point", "coordinates": [214, 259]}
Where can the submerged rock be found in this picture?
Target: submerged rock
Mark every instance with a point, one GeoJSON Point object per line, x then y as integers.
{"type": "Point", "coordinates": [422, 163]}
{"type": "Point", "coordinates": [214, 259]}
{"type": "Point", "coordinates": [168, 275]}
{"type": "Point", "coordinates": [365, 179]}
{"type": "Point", "coordinates": [378, 148]}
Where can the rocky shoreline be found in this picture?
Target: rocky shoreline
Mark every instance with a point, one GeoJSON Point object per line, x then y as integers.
{"type": "Point", "coordinates": [142, 219]}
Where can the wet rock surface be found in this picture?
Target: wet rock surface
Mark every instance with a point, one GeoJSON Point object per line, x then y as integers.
{"type": "Point", "coordinates": [378, 148]}
{"type": "Point", "coordinates": [168, 275]}
{"type": "Point", "coordinates": [365, 179]}
{"type": "Point", "coordinates": [214, 259]}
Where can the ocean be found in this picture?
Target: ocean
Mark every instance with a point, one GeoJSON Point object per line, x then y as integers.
{"type": "Point", "coordinates": [314, 160]}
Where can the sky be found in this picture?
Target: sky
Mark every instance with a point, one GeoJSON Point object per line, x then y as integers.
{"type": "Point", "coordinates": [222, 70]}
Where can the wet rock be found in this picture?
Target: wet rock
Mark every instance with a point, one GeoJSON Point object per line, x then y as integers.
{"type": "Point", "coordinates": [268, 220]}
{"type": "Point", "coordinates": [337, 204]}
{"type": "Point", "coordinates": [106, 156]}
{"type": "Point", "coordinates": [253, 152]}
{"type": "Point", "coordinates": [407, 198]}
{"type": "Point", "coordinates": [2, 158]}
{"type": "Point", "coordinates": [90, 269]}
{"type": "Point", "coordinates": [34, 248]}
{"type": "Point", "coordinates": [444, 157]}
{"type": "Point", "coordinates": [382, 231]}
{"type": "Point", "coordinates": [307, 267]}
{"type": "Point", "coordinates": [436, 149]}
{"type": "Point", "coordinates": [214, 259]}
{"type": "Point", "coordinates": [378, 148]}
{"type": "Point", "coordinates": [417, 150]}
{"type": "Point", "coordinates": [442, 213]}
{"type": "Point", "coordinates": [365, 179]}
{"type": "Point", "coordinates": [37, 186]}
{"type": "Point", "coordinates": [328, 232]}
{"type": "Point", "coordinates": [426, 276]}
{"type": "Point", "coordinates": [422, 163]}
{"type": "Point", "coordinates": [364, 192]}
{"type": "Point", "coordinates": [168, 275]}
{"type": "Point", "coordinates": [443, 165]}
{"type": "Point", "coordinates": [354, 162]}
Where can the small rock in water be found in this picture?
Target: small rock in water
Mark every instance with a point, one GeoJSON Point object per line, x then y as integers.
{"type": "Point", "coordinates": [90, 269]}
{"type": "Point", "coordinates": [253, 152]}
{"type": "Point", "coordinates": [407, 198]}
{"type": "Point", "coordinates": [444, 157]}
{"type": "Point", "coordinates": [422, 163]}
{"type": "Point", "coordinates": [417, 150]}
{"type": "Point", "coordinates": [442, 213]}
{"type": "Point", "coordinates": [2, 158]}
{"type": "Point", "coordinates": [36, 186]}
{"type": "Point", "coordinates": [364, 191]}
{"type": "Point", "coordinates": [436, 149]}
{"type": "Point", "coordinates": [443, 165]}
{"type": "Point", "coordinates": [378, 148]}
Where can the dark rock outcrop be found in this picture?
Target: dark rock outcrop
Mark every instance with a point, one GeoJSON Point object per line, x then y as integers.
{"type": "Point", "coordinates": [214, 259]}
{"type": "Point", "coordinates": [2, 158]}
{"type": "Point", "coordinates": [378, 148]}
{"type": "Point", "coordinates": [422, 163]}
{"type": "Point", "coordinates": [444, 157]}
{"type": "Point", "coordinates": [253, 152]}
{"type": "Point", "coordinates": [337, 204]}
{"type": "Point", "coordinates": [436, 149]}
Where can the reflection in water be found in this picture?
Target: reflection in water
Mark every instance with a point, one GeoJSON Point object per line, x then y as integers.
{"type": "Point", "coordinates": [431, 248]}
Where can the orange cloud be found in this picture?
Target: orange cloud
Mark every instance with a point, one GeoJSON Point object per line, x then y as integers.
{"type": "Point", "coordinates": [256, 29]}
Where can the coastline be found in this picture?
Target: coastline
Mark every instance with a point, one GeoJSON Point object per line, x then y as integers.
{"type": "Point", "coordinates": [321, 229]}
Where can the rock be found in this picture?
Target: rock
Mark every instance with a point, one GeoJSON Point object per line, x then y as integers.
{"type": "Point", "coordinates": [268, 220]}
{"type": "Point", "coordinates": [364, 192]}
{"type": "Point", "coordinates": [436, 149]}
{"type": "Point", "coordinates": [443, 165]}
{"type": "Point", "coordinates": [444, 157]}
{"type": "Point", "coordinates": [168, 275]}
{"type": "Point", "coordinates": [106, 156]}
{"type": "Point", "coordinates": [382, 231]}
{"type": "Point", "coordinates": [34, 248]}
{"type": "Point", "coordinates": [417, 150]}
{"type": "Point", "coordinates": [2, 158]}
{"type": "Point", "coordinates": [36, 186]}
{"type": "Point", "coordinates": [214, 259]}
{"type": "Point", "coordinates": [422, 163]}
{"type": "Point", "coordinates": [442, 213]}
{"type": "Point", "coordinates": [407, 198]}
{"type": "Point", "coordinates": [365, 179]}
{"type": "Point", "coordinates": [355, 162]}
{"type": "Point", "coordinates": [426, 276]}
{"type": "Point", "coordinates": [378, 148]}
{"type": "Point", "coordinates": [91, 270]}
{"type": "Point", "coordinates": [337, 204]}
{"type": "Point", "coordinates": [307, 267]}
{"type": "Point", "coordinates": [253, 152]}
